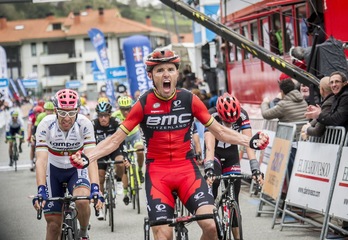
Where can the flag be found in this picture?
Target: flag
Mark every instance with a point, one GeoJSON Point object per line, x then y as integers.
{"type": "Point", "coordinates": [98, 41]}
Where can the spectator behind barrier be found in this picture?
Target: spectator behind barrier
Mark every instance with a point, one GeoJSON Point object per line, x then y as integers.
{"type": "Point", "coordinates": [315, 128]}
{"type": "Point", "coordinates": [338, 114]}
{"type": "Point", "coordinates": [291, 108]}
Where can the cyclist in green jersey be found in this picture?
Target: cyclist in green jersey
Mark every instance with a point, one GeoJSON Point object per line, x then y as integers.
{"type": "Point", "coordinates": [48, 110]}
{"type": "Point", "coordinates": [133, 139]}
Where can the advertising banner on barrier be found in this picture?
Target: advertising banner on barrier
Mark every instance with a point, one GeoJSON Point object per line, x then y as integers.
{"type": "Point", "coordinates": [339, 204]}
{"type": "Point", "coordinates": [276, 168]}
{"type": "Point", "coordinates": [311, 175]}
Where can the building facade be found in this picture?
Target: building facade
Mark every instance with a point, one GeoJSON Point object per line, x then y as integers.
{"type": "Point", "coordinates": [58, 50]}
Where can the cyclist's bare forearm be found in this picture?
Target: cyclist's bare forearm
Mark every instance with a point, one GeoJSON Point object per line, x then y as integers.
{"type": "Point", "coordinates": [228, 135]}
{"type": "Point", "coordinates": [107, 146]}
{"type": "Point", "coordinates": [41, 167]}
{"type": "Point", "coordinates": [93, 168]}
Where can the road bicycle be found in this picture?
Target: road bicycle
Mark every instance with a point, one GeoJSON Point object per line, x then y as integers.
{"type": "Point", "coordinates": [228, 207]}
{"type": "Point", "coordinates": [110, 192]}
{"type": "Point", "coordinates": [134, 182]}
{"type": "Point", "coordinates": [70, 225]}
{"type": "Point", "coordinates": [179, 223]}
{"type": "Point", "coordinates": [15, 150]}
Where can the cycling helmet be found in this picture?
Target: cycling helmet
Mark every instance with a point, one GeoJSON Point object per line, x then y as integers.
{"type": "Point", "coordinates": [14, 114]}
{"type": "Point", "coordinates": [125, 102]}
{"type": "Point", "coordinates": [38, 109]}
{"type": "Point", "coordinates": [49, 106]}
{"type": "Point", "coordinates": [41, 103]}
{"type": "Point", "coordinates": [103, 99]}
{"type": "Point", "coordinates": [228, 108]}
{"type": "Point", "coordinates": [159, 56]}
{"type": "Point", "coordinates": [67, 99]}
{"type": "Point", "coordinates": [103, 107]}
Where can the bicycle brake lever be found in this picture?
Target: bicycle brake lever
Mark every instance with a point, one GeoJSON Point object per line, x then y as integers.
{"type": "Point", "coordinates": [95, 202]}
{"type": "Point", "coordinates": [39, 211]}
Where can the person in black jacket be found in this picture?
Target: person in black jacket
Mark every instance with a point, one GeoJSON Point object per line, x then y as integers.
{"type": "Point", "coordinates": [338, 114]}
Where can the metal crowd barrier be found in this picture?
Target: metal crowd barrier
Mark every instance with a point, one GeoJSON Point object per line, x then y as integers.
{"type": "Point", "coordinates": [333, 138]}
{"type": "Point", "coordinates": [276, 170]}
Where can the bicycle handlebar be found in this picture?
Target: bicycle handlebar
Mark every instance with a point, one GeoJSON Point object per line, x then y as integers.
{"type": "Point", "coordinates": [185, 219]}
{"type": "Point", "coordinates": [65, 199]}
{"type": "Point", "coordinates": [134, 150]}
{"type": "Point", "coordinates": [241, 176]}
{"type": "Point", "coordinates": [234, 176]}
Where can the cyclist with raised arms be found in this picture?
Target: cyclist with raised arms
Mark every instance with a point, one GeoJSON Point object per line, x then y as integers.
{"type": "Point", "coordinates": [104, 126]}
{"type": "Point", "coordinates": [230, 114]}
{"type": "Point", "coordinates": [57, 137]}
{"type": "Point", "coordinates": [165, 115]}
{"type": "Point", "coordinates": [133, 139]}
{"type": "Point", "coordinates": [13, 127]}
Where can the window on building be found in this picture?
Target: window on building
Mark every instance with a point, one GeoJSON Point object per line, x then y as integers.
{"type": "Point", "coordinates": [61, 70]}
{"type": "Point", "coordinates": [59, 47]}
{"type": "Point", "coordinates": [57, 26]}
{"type": "Point", "coordinates": [34, 69]}
{"type": "Point", "coordinates": [33, 49]}
{"type": "Point", "coordinates": [289, 40]}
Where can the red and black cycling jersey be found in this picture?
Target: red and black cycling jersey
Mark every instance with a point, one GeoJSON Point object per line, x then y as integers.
{"type": "Point", "coordinates": [226, 150]}
{"type": "Point", "coordinates": [166, 124]}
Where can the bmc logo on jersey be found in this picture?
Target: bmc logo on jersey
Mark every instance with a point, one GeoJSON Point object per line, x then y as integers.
{"type": "Point", "coordinates": [169, 120]}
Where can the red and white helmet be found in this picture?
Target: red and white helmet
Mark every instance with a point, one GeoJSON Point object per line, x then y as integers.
{"type": "Point", "coordinates": [67, 99]}
{"type": "Point", "coordinates": [228, 108]}
{"type": "Point", "coordinates": [159, 56]}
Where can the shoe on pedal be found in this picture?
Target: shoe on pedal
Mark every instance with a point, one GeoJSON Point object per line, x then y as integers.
{"type": "Point", "coordinates": [141, 176]}
{"type": "Point", "coordinates": [101, 215]}
{"type": "Point", "coordinates": [126, 200]}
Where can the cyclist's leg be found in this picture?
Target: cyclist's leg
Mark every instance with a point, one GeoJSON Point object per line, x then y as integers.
{"type": "Point", "coordinates": [125, 187]}
{"type": "Point", "coordinates": [53, 210]}
{"type": "Point", "coordinates": [101, 171]}
{"type": "Point", "coordinates": [137, 143]}
{"type": "Point", "coordinates": [159, 189]}
{"type": "Point", "coordinates": [81, 187]}
{"type": "Point", "coordinates": [235, 226]}
{"type": "Point", "coordinates": [10, 153]}
{"type": "Point", "coordinates": [197, 197]}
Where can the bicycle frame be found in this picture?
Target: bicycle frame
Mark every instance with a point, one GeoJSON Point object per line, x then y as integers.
{"type": "Point", "coordinates": [133, 177]}
{"type": "Point", "coordinates": [69, 225]}
{"type": "Point", "coordinates": [109, 192]}
{"type": "Point", "coordinates": [229, 206]}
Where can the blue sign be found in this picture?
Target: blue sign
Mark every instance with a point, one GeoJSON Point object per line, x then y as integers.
{"type": "Point", "coordinates": [73, 84]}
{"type": "Point", "coordinates": [116, 73]}
{"type": "Point", "coordinates": [99, 76]}
{"type": "Point", "coordinates": [30, 83]}
{"type": "Point", "coordinates": [212, 12]}
{"type": "Point", "coordinates": [135, 49]}
{"type": "Point", "coordinates": [3, 82]}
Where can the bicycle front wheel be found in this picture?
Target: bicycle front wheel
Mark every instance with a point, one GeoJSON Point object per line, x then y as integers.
{"type": "Point", "coordinates": [15, 153]}
{"type": "Point", "coordinates": [111, 200]}
{"type": "Point", "coordinates": [235, 221]}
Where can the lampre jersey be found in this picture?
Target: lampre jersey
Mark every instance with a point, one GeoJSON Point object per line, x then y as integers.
{"type": "Point", "coordinates": [61, 145]}
{"type": "Point", "coordinates": [167, 124]}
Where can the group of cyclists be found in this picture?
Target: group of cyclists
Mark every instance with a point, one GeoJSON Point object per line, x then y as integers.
{"type": "Point", "coordinates": [70, 148]}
